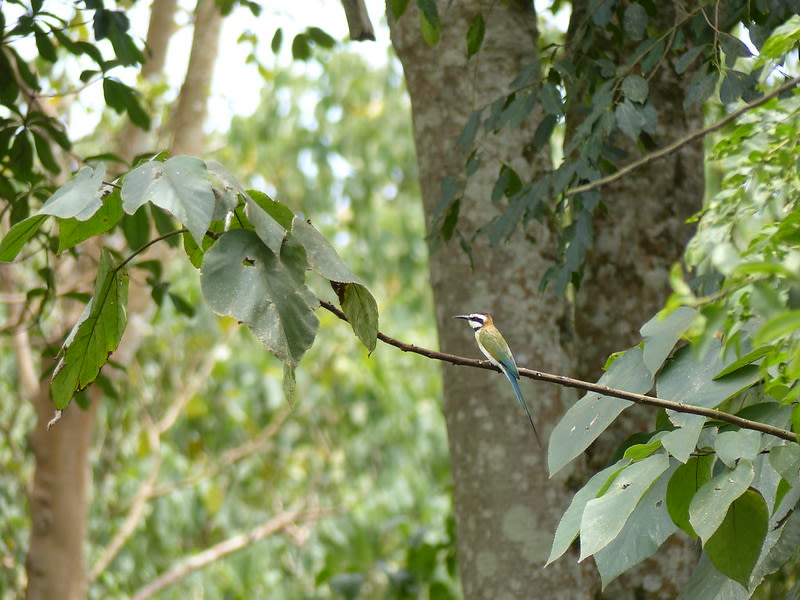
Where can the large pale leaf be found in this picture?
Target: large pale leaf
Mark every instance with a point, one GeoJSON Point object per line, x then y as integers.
{"type": "Point", "coordinates": [690, 380]}
{"type": "Point", "coordinates": [95, 336]}
{"type": "Point", "coordinates": [736, 544]}
{"type": "Point", "coordinates": [243, 279]}
{"type": "Point", "coordinates": [604, 517]}
{"type": "Point", "coordinates": [179, 185]}
{"type": "Point", "coordinates": [661, 335]}
{"type": "Point", "coordinates": [593, 413]}
{"type": "Point", "coordinates": [707, 583]}
{"type": "Point", "coordinates": [730, 446]}
{"type": "Point", "coordinates": [80, 197]}
{"type": "Point", "coordinates": [644, 531]}
{"type": "Point", "coordinates": [570, 524]}
{"type": "Point", "coordinates": [710, 504]}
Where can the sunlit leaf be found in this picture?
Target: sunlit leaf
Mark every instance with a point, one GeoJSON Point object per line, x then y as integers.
{"type": "Point", "coordinates": [710, 504]}
{"type": "Point", "coordinates": [80, 197]}
{"type": "Point", "coordinates": [604, 517]}
{"type": "Point", "coordinates": [179, 185]}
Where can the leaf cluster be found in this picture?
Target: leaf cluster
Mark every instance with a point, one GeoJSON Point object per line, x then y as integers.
{"type": "Point", "coordinates": [597, 85]}
{"type": "Point", "coordinates": [728, 339]}
{"type": "Point", "coordinates": [252, 251]}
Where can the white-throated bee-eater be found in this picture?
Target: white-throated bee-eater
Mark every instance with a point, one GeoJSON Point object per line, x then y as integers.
{"type": "Point", "coordinates": [494, 347]}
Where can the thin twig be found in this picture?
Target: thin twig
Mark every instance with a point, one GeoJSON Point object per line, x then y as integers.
{"type": "Point", "coordinates": [684, 141]}
{"type": "Point", "coordinates": [584, 385]}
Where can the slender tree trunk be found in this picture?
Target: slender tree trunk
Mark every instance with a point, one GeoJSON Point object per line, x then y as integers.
{"type": "Point", "coordinates": [133, 140]}
{"type": "Point", "coordinates": [506, 507]}
{"type": "Point", "coordinates": [61, 487]}
{"type": "Point", "coordinates": [59, 501]}
{"type": "Point", "coordinates": [191, 110]}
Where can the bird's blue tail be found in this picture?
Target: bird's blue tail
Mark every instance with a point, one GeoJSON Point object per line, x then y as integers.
{"type": "Point", "coordinates": [520, 397]}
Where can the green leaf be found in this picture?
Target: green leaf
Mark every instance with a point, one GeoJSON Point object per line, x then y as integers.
{"type": "Point", "coordinates": [785, 460]}
{"type": "Point", "coordinates": [778, 327]}
{"type": "Point", "coordinates": [661, 333]}
{"type": "Point", "coordinates": [80, 197]}
{"type": "Point", "coordinates": [44, 152]}
{"type": "Point", "coordinates": [95, 336]}
{"type": "Point", "coordinates": [645, 530]}
{"type": "Point", "coordinates": [745, 361]}
{"type": "Point", "coordinates": [701, 86]}
{"type": "Point", "coordinates": [551, 99]}
{"type": "Point", "coordinates": [629, 119]}
{"type": "Point", "coordinates": [430, 31]}
{"type": "Point", "coordinates": [136, 228]}
{"type": "Point", "coordinates": [179, 185]}
{"type": "Point", "coordinates": [398, 7]}
{"type": "Point", "coordinates": [242, 278]}
{"type": "Point", "coordinates": [44, 45]}
{"type": "Point", "coordinates": [635, 21]}
{"type": "Point", "coordinates": [731, 446]}
{"type": "Point", "coordinates": [322, 257]}
{"type": "Point", "coordinates": [429, 10]}
{"type": "Point", "coordinates": [593, 413]}
{"type": "Point", "coordinates": [475, 33]}
{"type": "Point", "coordinates": [604, 517]}
{"type": "Point", "coordinates": [707, 583]}
{"type": "Point", "coordinates": [641, 451]}
{"type": "Point", "coordinates": [735, 546]}
{"type": "Point", "coordinates": [362, 313]}
{"type": "Point", "coordinates": [467, 136]}
{"type": "Point", "coordinates": [301, 49]}
{"type": "Point", "coordinates": [690, 380]}
{"type": "Point", "coordinates": [18, 236]}
{"type": "Point", "coordinates": [782, 41]}
{"type": "Point", "coordinates": [569, 525]}
{"type": "Point", "coordinates": [708, 507]}
{"type": "Point", "coordinates": [277, 40]}
{"type": "Point", "coordinates": [73, 231]}
{"type": "Point", "coordinates": [682, 487]}
{"type": "Point", "coordinates": [635, 87]}
{"type": "Point", "coordinates": [321, 37]}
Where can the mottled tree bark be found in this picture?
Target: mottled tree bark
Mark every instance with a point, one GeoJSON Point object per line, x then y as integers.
{"type": "Point", "coordinates": [191, 109]}
{"type": "Point", "coordinates": [133, 140]}
{"type": "Point", "coordinates": [506, 507]}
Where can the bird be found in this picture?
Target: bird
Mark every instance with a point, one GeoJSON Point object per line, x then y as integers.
{"type": "Point", "coordinates": [494, 347]}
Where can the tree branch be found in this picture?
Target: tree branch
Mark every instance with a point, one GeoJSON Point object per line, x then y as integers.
{"type": "Point", "coordinates": [224, 548]}
{"type": "Point", "coordinates": [358, 21]}
{"type": "Point", "coordinates": [678, 144]}
{"type": "Point", "coordinates": [584, 385]}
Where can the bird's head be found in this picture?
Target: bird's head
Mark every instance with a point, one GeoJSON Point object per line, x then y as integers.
{"type": "Point", "coordinates": [476, 320]}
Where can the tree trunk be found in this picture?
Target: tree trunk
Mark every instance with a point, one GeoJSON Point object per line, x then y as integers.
{"type": "Point", "coordinates": [59, 501]}
{"type": "Point", "coordinates": [134, 140]}
{"type": "Point", "coordinates": [191, 109]}
{"type": "Point", "coordinates": [506, 507]}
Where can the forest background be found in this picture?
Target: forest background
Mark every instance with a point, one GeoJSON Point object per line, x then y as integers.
{"type": "Point", "coordinates": [583, 166]}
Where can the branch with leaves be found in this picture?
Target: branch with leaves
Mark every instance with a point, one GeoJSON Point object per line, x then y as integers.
{"type": "Point", "coordinates": [583, 385]}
